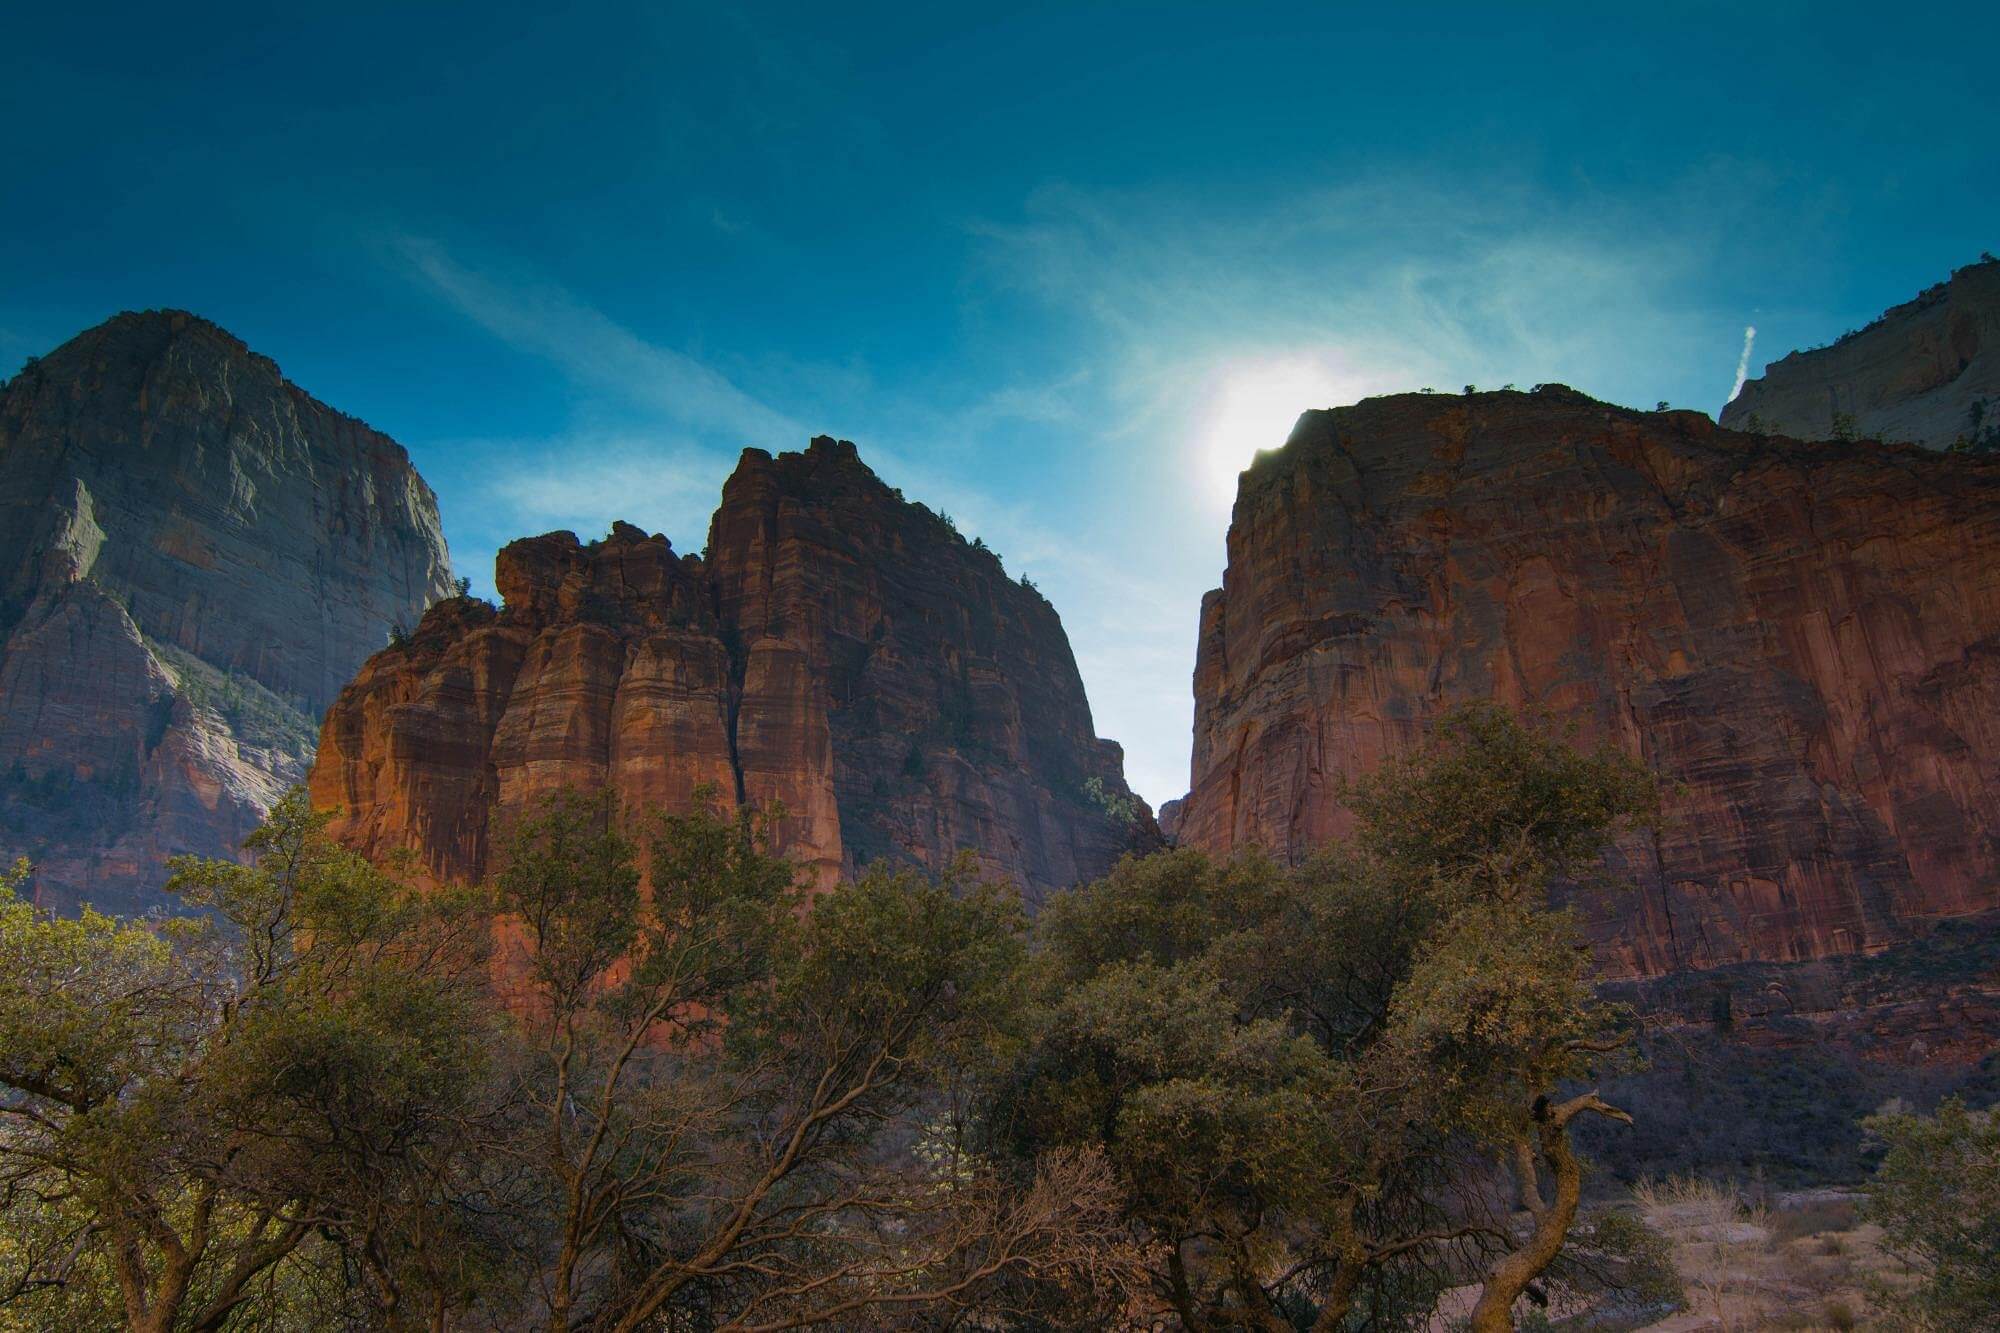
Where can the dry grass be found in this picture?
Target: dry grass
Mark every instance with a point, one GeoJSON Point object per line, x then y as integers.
{"type": "Point", "coordinates": [1805, 1263]}
{"type": "Point", "coordinates": [1695, 1208]}
{"type": "Point", "coordinates": [1690, 1196]}
{"type": "Point", "coordinates": [1816, 1217]}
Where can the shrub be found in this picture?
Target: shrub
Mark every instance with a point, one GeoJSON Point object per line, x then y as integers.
{"type": "Point", "coordinates": [1937, 1199]}
{"type": "Point", "coordinates": [1328, 1059]}
{"type": "Point", "coordinates": [1620, 1254]}
{"type": "Point", "coordinates": [1813, 1218]}
{"type": "Point", "coordinates": [1122, 809]}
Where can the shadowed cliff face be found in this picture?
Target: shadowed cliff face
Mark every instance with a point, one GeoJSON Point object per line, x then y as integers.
{"type": "Point", "coordinates": [1803, 639]}
{"type": "Point", "coordinates": [840, 652]}
{"type": "Point", "coordinates": [1926, 372]}
{"type": "Point", "coordinates": [194, 554]}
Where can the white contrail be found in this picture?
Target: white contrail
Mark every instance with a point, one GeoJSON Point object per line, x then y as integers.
{"type": "Point", "coordinates": [1743, 362]}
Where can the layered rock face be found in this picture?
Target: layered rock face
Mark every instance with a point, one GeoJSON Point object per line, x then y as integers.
{"type": "Point", "coordinates": [1927, 372]}
{"type": "Point", "coordinates": [194, 555]}
{"type": "Point", "coordinates": [1804, 640]}
{"type": "Point", "coordinates": [840, 652]}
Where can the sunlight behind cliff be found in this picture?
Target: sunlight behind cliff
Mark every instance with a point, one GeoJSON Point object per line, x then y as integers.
{"type": "Point", "coordinates": [1251, 405]}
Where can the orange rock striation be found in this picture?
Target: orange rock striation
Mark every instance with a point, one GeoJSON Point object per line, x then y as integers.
{"type": "Point", "coordinates": [1804, 640]}
{"type": "Point", "coordinates": [839, 651]}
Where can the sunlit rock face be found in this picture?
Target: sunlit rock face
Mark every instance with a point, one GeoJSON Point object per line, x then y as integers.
{"type": "Point", "coordinates": [839, 652]}
{"type": "Point", "coordinates": [1802, 639]}
{"type": "Point", "coordinates": [1927, 372]}
{"type": "Point", "coordinates": [194, 555]}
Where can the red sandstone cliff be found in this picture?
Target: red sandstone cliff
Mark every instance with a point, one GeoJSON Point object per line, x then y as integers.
{"type": "Point", "coordinates": [839, 650]}
{"type": "Point", "coordinates": [1804, 638]}
{"type": "Point", "coordinates": [194, 554]}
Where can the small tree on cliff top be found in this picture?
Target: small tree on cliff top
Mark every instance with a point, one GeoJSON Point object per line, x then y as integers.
{"type": "Point", "coordinates": [1296, 1071]}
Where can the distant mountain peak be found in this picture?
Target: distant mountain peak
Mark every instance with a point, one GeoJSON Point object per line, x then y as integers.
{"type": "Point", "coordinates": [1926, 372]}
{"type": "Point", "coordinates": [195, 554]}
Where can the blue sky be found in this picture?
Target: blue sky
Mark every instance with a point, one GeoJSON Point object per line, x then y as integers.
{"type": "Point", "coordinates": [1059, 270]}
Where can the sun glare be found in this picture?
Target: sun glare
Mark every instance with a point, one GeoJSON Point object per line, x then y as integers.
{"type": "Point", "coordinates": [1254, 406]}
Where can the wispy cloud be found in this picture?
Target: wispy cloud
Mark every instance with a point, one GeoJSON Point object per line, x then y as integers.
{"type": "Point", "coordinates": [1185, 335]}
{"type": "Point", "coordinates": [587, 482]}
{"type": "Point", "coordinates": [547, 321]}
{"type": "Point", "coordinates": [1211, 324]}
{"type": "Point", "coordinates": [583, 482]}
{"type": "Point", "coordinates": [1743, 361]}
{"type": "Point", "coordinates": [664, 467]}
{"type": "Point", "coordinates": [1437, 283]}
{"type": "Point", "coordinates": [658, 436]}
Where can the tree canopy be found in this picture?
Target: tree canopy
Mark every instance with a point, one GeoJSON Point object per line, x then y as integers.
{"type": "Point", "coordinates": [646, 1079]}
{"type": "Point", "coordinates": [1936, 1196]}
{"type": "Point", "coordinates": [1300, 1072]}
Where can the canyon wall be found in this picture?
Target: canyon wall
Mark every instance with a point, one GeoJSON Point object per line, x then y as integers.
{"type": "Point", "coordinates": [194, 555]}
{"type": "Point", "coordinates": [1802, 639]}
{"type": "Point", "coordinates": [1926, 372]}
{"type": "Point", "coordinates": [839, 651]}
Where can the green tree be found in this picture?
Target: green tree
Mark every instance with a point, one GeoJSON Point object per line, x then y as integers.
{"type": "Point", "coordinates": [197, 1108]}
{"type": "Point", "coordinates": [1937, 1198]}
{"type": "Point", "coordinates": [726, 1079]}
{"type": "Point", "coordinates": [1296, 1070]}
{"type": "Point", "coordinates": [1121, 809]}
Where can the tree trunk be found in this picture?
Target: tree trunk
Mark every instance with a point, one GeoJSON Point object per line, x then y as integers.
{"type": "Point", "coordinates": [1182, 1292]}
{"type": "Point", "coordinates": [1339, 1298]}
{"type": "Point", "coordinates": [1508, 1278]}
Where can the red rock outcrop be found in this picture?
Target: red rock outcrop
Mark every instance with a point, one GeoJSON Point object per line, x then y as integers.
{"type": "Point", "coordinates": [1926, 372]}
{"type": "Point", "coordinates": [839, 651]}
{"type": "Point", "coordinates": [1803, 639]}
{"type": "Point", "coordinates": [194, 555]}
